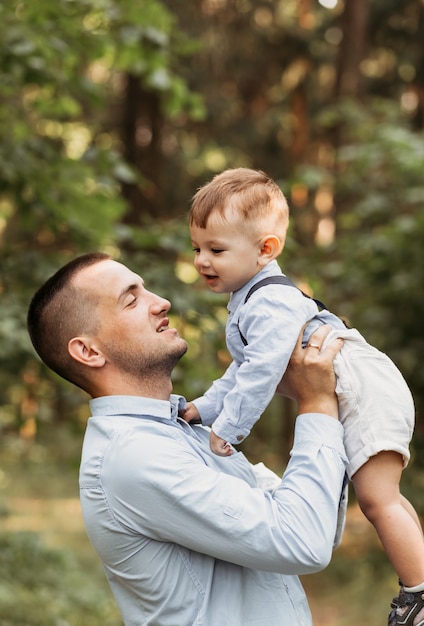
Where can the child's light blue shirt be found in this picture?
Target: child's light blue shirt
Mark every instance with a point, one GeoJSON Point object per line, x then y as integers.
{"type": "Point", "coordinates": [270, 321]}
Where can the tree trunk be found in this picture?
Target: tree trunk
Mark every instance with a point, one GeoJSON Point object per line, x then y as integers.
{"type": "Point", "coordinates": [352, 50]}
{"type": "Point", "coordinates": [141, 131]}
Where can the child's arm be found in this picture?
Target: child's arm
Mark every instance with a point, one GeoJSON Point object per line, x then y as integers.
{"type": "Point", "coordinates": [270, 322]}
{"type": "Point", "coordinates": [211, 403]}
{"type": "Point", "coordinates": [191, 414]}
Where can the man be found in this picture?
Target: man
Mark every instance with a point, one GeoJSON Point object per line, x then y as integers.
{"type": "Point", "coordinates": [186, 537]}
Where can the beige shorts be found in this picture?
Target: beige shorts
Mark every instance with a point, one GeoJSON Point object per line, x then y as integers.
{"type": "Point", "coordinates": [375, 404]}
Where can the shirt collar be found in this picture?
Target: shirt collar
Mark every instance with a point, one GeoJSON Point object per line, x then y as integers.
{"type": "Point", "coordinates": [237, 297]}
{"type": "Point", "coordinates": [137, 406]}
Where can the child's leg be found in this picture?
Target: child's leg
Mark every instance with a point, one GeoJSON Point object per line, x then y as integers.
{"type": "Point", "coordinates": [376, 486]}
{"type": "Point", "coordinates": [412, 512]}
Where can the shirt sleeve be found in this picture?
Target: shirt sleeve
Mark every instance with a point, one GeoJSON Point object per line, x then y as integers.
{"type": "Point", "coordinates": [211, 403]}
{"type": "Point", "coordinates": [271, 322]}
{"type": "Point", "coordinates": [164, 489]}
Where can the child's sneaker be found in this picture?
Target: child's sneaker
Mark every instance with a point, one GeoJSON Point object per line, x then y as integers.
{"type": "Point", "coordinates": [407, 609]}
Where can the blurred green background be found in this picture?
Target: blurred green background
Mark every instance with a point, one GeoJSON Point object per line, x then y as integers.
{"type": "Point", "coordinates": [112, 114]}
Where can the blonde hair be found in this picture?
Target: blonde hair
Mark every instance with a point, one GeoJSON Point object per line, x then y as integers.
{"type": "Point", "coordinates": [252, 194]}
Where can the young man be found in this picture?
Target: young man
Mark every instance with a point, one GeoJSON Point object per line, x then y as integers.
{"type": "Point", "coordinates": [186, 537]}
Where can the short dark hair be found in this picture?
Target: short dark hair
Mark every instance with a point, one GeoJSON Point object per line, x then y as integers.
{"type": "Point", "coordinates": [58, 312]}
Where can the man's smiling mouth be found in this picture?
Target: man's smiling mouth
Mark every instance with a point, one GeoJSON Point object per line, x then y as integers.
{"type": "Point", "coordinates": [164, 325]}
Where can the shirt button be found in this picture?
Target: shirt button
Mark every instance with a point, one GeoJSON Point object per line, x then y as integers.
{"type": "Point", "coordinates": [240, 438]}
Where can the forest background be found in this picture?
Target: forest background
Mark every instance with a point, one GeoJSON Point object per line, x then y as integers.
{"type": "Point", "coordinates": [112, 114]}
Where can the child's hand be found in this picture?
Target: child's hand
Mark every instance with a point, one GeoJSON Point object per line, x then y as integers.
{"type": "Point", "coordinates": [191, 414]}
{"type": "Point", "coordinates": [220, 446]}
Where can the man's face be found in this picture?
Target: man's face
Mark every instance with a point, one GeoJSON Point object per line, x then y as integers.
{"type": "Point", "coordinates": [134, 333]}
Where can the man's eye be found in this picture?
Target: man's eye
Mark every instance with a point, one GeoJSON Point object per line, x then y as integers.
{"type": "Point", "coordinates": [131, 302]}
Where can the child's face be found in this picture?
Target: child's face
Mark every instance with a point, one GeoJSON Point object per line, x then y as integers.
{"type": "Point", "coordinates": [224, 253]}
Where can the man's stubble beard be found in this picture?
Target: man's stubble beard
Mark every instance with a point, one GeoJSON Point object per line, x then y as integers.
{"type": "Point", "coordinates": [139, 365]}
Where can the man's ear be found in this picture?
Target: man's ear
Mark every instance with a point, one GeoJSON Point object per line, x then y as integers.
{"type": "Point", "coordinates": [85, 351]}
{"type": "Point", "coordinates": [270, 248]}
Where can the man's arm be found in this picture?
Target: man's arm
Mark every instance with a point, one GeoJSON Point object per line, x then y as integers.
{"type": "Point", "coordinates": [173, 490]}
{"type": "Point", "coordinates": [177, 491]}
{"type": "Point", "coordinates": [310, 378]}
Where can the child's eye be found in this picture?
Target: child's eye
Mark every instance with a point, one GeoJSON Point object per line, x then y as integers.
{"type": "Point", "coordinates": [217, 250]}
{"type": "Point", "coordinates": [196, 250]}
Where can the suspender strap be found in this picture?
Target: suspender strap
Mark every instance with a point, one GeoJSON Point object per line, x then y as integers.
{"type": "Point", "coordinates": [277, 280]}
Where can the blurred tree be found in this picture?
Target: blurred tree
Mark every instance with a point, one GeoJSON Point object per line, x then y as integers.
{"type": "Point", "coordinates": [274, 73]}
{"type": "Point", "coordinates": [112, 112]}
{"type": "Point", "coordinates": [105, 138]}
{"type": "Point", "coordinates": [352, 49]}
{"type": "Point", "coordinates": [374, 266]}
{"type": "Point", "coordinates": [41, 585]}
{"type": "Point", "coordinates": [62, 161]}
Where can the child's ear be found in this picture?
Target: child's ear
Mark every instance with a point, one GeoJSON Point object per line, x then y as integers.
{"type": "Point", "coordinates": [270, 248]}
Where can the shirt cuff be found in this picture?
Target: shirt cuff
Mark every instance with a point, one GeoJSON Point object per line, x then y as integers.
{"type": "Point", "coordinates": [206, 410]}
{"type": "Point", "coordinates": [322, 429]}
{"type": "Point", "coordinates": [226, 430]}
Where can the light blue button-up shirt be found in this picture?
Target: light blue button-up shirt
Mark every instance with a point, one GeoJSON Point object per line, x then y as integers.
{"type": "Point", "coordinates": [270, 321]}
{"type": "Point", "coordinates": [190, 538]}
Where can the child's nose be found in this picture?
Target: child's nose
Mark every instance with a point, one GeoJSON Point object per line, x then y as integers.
{"type": "Point", "coordinates": [202, 259]}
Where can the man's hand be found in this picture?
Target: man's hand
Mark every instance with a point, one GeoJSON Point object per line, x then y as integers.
{"type": "Point", "coordinates": [309, 378]}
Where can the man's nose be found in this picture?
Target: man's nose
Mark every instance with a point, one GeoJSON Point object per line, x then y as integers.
{"type": "Point", "coordinates": [164, 305]}
{"type": "Point", "coordinates": [159, 304]}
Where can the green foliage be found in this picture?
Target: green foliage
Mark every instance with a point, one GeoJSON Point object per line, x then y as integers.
{"type": "Point", "coordinates": [58, 61]}
{"type": "Point", "coordinates": [381, 231]}
{"type": "Point", "coordinates": [60, 169]}
{"type": "Point", "coordinates": [146, 43]}
{"type": "Point", "coordinates": [54, 173]}
{"type": "Point", "coordinates": [265, 75]}
{"type": "Point", "coordinates": [237, 83]}
{"type": "Point", "coordinates": [372, 272]}
{"type": "Point", "coordinates": [41, 585]}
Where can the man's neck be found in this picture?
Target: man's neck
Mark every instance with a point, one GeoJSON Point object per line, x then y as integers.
{"type": "Point", "coordinates": [159, 389]}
